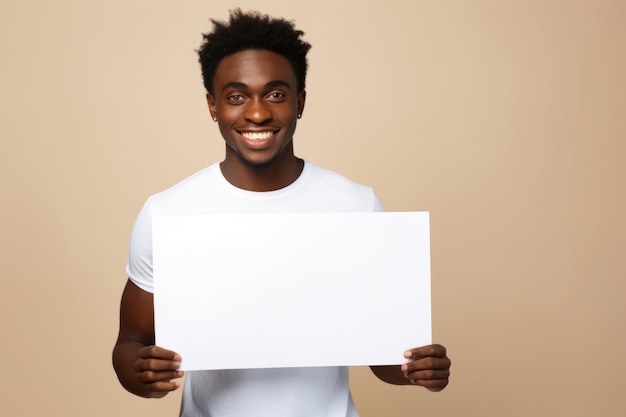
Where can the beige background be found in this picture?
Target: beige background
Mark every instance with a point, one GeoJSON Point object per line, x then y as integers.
{"type": "Point", "coordinates": [505, 119]}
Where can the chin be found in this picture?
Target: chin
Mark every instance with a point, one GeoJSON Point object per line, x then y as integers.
{"type": "Point", "coordinates": [258, 164]}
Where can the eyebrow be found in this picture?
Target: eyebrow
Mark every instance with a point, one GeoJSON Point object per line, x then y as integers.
{"type": "Point", "coordinates": [242, 86]}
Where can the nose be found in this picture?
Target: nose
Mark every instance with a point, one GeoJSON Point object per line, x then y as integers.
{"type": "Point", "coordinates": [257, 111]}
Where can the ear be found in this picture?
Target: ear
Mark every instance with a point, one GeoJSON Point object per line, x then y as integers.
{"type": "Point", "coordinates": [211, 103]}
{"type": "Point", "coordinates": [301, 101]}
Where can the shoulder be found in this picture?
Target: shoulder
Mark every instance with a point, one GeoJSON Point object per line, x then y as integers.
{"type": "Point", "coordinates": [333, 185]}
{"type": "Point", "coordinates": [186, 194]}
{"type": "Point", "coordinates": [335, 180]}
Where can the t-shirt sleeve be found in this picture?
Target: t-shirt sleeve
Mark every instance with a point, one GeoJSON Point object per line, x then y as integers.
{"type": "Point", "coordinates": [378, 206]}
{"type": "Point", "coordinates": [139, 267]}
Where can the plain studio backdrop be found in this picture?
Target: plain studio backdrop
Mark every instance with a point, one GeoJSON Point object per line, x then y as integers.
{"type": "Point", "coordinates": [504, 119]}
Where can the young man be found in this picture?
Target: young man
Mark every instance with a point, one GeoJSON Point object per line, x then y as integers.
{"type": "Point", "coordinates": [254, 70]}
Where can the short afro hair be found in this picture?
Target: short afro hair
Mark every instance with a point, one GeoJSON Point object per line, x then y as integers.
{"type": "Point", "coordinates": [252, 30]}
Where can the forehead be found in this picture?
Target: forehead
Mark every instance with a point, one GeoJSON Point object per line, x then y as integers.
{"type": "Point", "coordinates": [254, 66]}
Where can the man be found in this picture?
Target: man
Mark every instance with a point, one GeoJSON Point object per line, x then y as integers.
{"type": "Point", "coordinates": [254, 70]}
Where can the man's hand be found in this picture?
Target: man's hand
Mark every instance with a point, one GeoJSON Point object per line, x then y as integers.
{"type": "Point", "coordinates": [155, 369]}
{"type": "Point", "coordinates": [429, 367]}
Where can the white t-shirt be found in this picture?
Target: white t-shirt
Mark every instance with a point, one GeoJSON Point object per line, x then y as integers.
{"type": "Point", "coordinates": [283, 392]}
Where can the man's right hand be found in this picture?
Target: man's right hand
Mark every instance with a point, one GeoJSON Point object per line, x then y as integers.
{"type": "Point", "coordinates": [155, 370]}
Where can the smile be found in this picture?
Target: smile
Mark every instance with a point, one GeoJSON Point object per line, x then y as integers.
{"type": "Point", "coordinates": [257, 135]}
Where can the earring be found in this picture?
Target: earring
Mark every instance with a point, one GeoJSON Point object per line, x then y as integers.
{"type": "Point", "coordinates": [299, 115]}
{"type": "Point", "coordinates": [215, 118]}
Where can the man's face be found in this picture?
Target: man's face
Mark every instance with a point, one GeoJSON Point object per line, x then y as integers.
{"type": "Point", "coordinates": [256, 103]}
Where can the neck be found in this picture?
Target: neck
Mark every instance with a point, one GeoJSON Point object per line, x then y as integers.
{"type": "Point", "coordinates": [274, 176]}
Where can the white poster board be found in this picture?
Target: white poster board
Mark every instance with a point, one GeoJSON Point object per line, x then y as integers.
{"type": "Point", "coordinates": [283, 290]}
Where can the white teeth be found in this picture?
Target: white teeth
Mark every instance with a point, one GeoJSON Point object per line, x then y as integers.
{"type": "Point", "coordinates": [256, 135]}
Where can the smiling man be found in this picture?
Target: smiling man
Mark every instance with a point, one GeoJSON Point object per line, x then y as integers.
{"type": "Point", "coordinates": [254, 71]}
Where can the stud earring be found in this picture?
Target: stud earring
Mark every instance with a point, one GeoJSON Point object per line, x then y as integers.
{"type": "Point", "coordinates": [214, 118]}
{"type": "Point", "coordinates": [299, 115]}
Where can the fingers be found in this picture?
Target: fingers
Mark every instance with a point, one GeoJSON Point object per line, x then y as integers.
{"type": "Point", "coordinates": [429, 367]}
{"type": "Point", "coordinates": [159, 388]}
{"type": "Point", "coordinates": [155, 358]}
{"type": "Point", "coordinates": [155, 369]}
{"type": "Point", "coordinates": [158, 353]}
{"type": "Point", "coordinates": [433, 380]}
{"type": "Point", "coordinates": [437, 351]}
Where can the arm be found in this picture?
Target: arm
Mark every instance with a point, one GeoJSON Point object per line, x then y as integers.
{"type": "Point", "coordinates": [429, 367]}
{"type": "Point", "coordinates": [142, 368]}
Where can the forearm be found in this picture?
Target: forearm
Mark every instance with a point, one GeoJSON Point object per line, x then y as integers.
{"type": "Point", "coordinates": [391, 374]}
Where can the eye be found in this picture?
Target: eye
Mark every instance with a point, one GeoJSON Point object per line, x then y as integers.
{"type": "Point", "coordinates": [235, 98]}
{"type": "Point", "coordinates": [276, 96]}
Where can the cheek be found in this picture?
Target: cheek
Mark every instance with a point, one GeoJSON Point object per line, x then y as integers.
{"type": "Point", "coordinates": [225, 131]}
{"type": "Point", "coordinates": [228, 113]}
{"type": "Point", "coordinates": [287, 115]}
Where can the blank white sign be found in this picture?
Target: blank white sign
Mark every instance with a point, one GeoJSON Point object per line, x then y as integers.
{"type": "Point", "coordinates": [283, 290]}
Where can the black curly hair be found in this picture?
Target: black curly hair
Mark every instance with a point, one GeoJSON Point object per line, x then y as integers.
{"type": "Point", "coordinates": [252, 30]}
